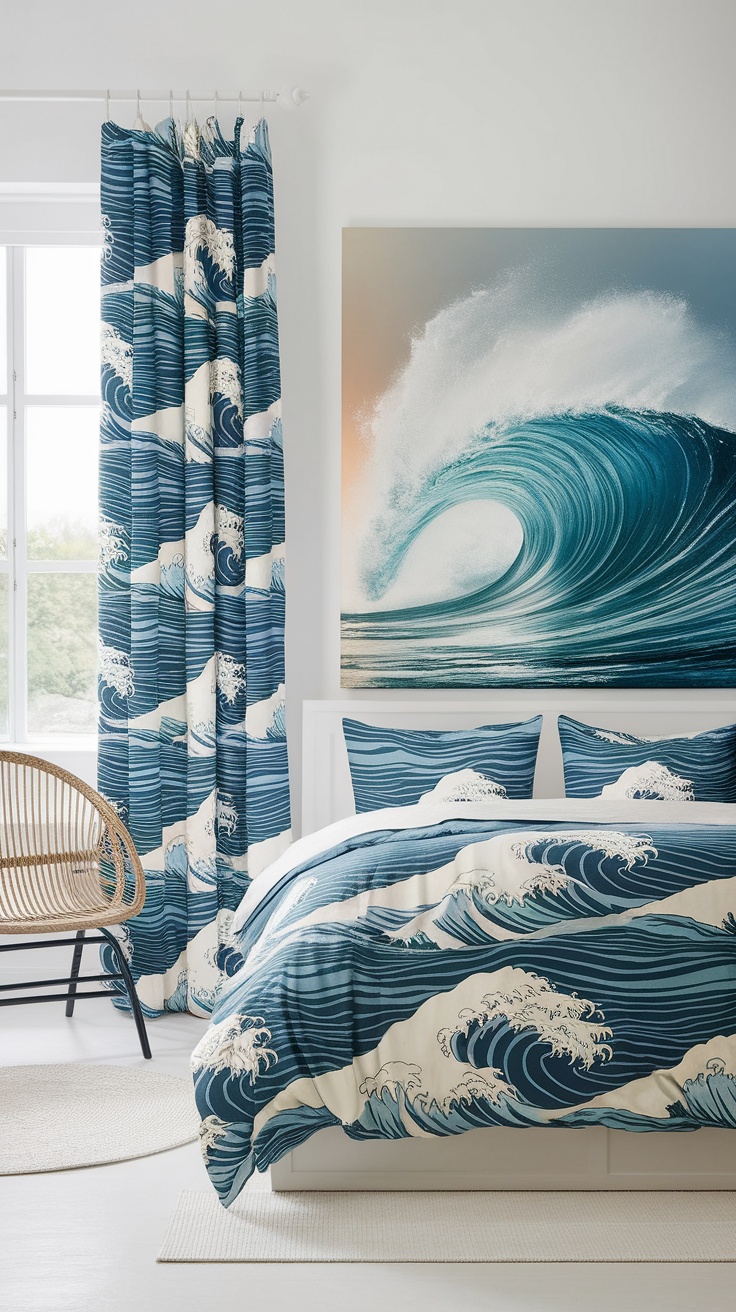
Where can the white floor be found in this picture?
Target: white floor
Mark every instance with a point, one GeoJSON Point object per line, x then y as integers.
{"type": "Point", "coordinates": [86, 1241]}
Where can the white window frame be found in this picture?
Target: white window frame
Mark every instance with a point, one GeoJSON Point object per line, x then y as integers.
{"type": "Point", "coordinates": [36, 216]}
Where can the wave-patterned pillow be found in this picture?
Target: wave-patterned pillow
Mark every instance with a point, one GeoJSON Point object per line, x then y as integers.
{"type": "Point", "coordinates": [395, 767]}
{"type": "Point", "coordinates": [605, 763]}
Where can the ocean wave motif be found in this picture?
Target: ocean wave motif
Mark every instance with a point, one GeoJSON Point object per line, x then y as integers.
{"type": "Point", "coordinates": [464, 786]}
{"type": "Point", "coordinates": [225, 381]}
{"type": "Point", "coordinates": [707, 1099]}
{"type": "Point", "coordinates": [571, 1026]}
{"type": "Point", "coordinates": [608, 438]}
{"type": "Point", "coordinates": [238, 1045]}
{"type": "Point", "coordinates": [231, 677]}
{"type": "Point", "coordinates": [396, 767]}
{"type": "Point", "coordinates": [404, 1084]}
{"type": "Point", "coordinates": [587, 884]}
{"type": "Point", "coordinates": [116, 670]}
{"type": "Point", "coordinates": [412, 1095]}
{"type": "Point", "coordinates": [691, 767]}
{"type": "Point", "coordinates": [203, 238]}
{"type": "Point", "coordinates": [113, 543]}
{"type": "Point", "coordinates": [609, 999]}
{"type": "Point", "coordinates": [710, 1098]}
{"type": "Point", "coordinates": [651, 780]}
{"type": "Point", "coordinates": [185, 214]}
{"type": "Point", "coordinates": [520, 882]}
{"type": "Point", "coordinates": [117, 354]}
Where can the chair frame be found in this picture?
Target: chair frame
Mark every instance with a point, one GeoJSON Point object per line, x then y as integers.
{"type": "Point", "coordinates": [120, 845]}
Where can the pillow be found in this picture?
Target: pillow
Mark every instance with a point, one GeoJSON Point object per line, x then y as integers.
{"type": "Point", "coordinates": [394, 767]}
{"type": "Point", "coordinates": [605, 763]}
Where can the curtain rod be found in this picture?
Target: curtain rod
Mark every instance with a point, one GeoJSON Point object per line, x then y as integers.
{"type": "Point", "coordinates": [293, 95]}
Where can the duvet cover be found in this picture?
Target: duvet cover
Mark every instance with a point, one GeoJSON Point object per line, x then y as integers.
{"type": "Point", "coordinates": [431, 969]}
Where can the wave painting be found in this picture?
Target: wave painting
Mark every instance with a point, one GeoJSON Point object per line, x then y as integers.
{"type": "Point", "coordinates": [539, 459]}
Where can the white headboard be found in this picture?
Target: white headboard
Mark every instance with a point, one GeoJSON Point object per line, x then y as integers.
{"type": "Point", "coordinates": [327, 793]}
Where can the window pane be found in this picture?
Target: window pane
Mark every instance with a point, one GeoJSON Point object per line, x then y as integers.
{"type": "Point", "coordinates": [61, 474]}
{"type": "Point", "coordinates": [3, 320]}
{"type": "Point", "coordinates": [4, 601]}
{"type": "Point", "coordinates": [63, 320]}
{"type": "Point", "coordinates": [3, 483]}
{"type": "Point", "coordinates": [62, 653]}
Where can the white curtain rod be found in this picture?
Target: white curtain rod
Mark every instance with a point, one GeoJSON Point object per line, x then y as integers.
{"type": "Point", "coordinates": [293, 95]}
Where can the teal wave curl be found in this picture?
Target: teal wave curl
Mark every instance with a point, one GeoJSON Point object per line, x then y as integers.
{"type": "Point", "coordinates": [625, 574]}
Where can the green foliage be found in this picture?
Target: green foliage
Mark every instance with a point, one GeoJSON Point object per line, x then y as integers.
{"type": "Point", "coordinates": [62, 626]}
{"type": "Point", "coordinates": [60, 539]}
{"type": "Point", "coordinates": [62, 634]}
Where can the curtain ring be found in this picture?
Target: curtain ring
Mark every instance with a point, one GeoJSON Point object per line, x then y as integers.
{"type": "Point", "coordinates": [214, 105]}
{"type": "Point", "coordinates": [138, 104]}
{"type": "Point", "coordinates": [260, 104]}
{"type": "Point", "coordinates": [188, 109]}
{"type": "Point", "coordinates": [107, 106]}
{"type": "Point", "coordinates": [171, 105]}
{"type": "Point", "coordinates": [240, 104]}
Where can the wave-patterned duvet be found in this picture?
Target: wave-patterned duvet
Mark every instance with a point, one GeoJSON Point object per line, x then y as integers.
{"type": "Point", "coordinates": [431, 969]}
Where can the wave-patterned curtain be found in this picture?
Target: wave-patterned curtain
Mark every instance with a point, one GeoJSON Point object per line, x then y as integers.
{"type": "Point", "coordinates": [192, 748]}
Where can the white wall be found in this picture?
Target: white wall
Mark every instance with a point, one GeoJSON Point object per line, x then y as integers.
{"type": "Point", "coordinates": [427, 112]}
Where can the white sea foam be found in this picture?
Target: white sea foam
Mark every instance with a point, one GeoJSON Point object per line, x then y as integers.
{"type": "Point", "coordinates": [464, 549]}
{"type": "Point", "coordinates": [116, 670]}
{"type": "Point", "coordinates": [464, 786]}
{"type": "Point", "coordinates": [113, 542]}
{"type": "Point", "coordinates": [401, 1078]}
{"type": "Point", "coordinates": [654, 779]}
{"type": "Point", "coordinates": [116, 353]}
{"type": "Point", "coordinates": [237, 1044]}
{"type": "Point", "coordinates": [211, 1130]}
{"type": "Point", "coordinates": [230, 676]}
{"type": "Point", "coordinates": [202, 234]}
{"type": "Point", "coordinates": [225, 380]}
{"type": "Point", "coordinates": [570, 1025]}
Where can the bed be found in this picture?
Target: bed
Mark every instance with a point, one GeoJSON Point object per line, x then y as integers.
{"type": "Point", "coordinates": [409, 988]}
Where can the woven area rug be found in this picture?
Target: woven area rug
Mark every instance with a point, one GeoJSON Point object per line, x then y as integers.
{"type": "Point", "coordinates": [55, 1117]}
{"type": "Point", "coordinates": [454, 1227]}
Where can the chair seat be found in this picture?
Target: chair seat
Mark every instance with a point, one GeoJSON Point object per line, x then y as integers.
{"type": "Point", "coordinates": [76, 897]}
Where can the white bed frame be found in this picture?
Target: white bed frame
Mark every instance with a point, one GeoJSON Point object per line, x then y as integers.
{"type": "Point", "coordinates": [502, 1158]}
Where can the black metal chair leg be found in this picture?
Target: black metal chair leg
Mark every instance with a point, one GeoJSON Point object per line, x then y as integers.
{"type": "Point", "coordinates": [76, 963]}
{"type": "Point", "coordinates": [130, 987]}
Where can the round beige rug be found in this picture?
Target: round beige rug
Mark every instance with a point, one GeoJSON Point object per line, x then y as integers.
{"type": "Point", "coordinates": [56, 1117]}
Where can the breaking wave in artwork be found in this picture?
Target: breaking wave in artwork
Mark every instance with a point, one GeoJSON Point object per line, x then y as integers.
{"type": "Point", "coordinates": [608, 437]}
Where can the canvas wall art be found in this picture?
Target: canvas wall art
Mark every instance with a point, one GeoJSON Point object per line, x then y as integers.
{"type": "Point", "coordinates": [539, 458]}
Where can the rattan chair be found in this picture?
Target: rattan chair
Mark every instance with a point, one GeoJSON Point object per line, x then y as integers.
{"type": "Point", "coordinates": [67, 863]}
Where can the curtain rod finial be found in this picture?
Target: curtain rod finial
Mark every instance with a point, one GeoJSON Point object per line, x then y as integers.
{"type": "Point", "coordinates": [299, 96]}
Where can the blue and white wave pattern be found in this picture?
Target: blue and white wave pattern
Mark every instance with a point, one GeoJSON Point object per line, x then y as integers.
{"type": "Point", "coordinates": [478, 973]}
{"type": "Point", "coordinates": [395, 767]}
{"type": "Point", "coordinates": [608, 763]}
{"type": "Point", "coordinates": [192, 748]}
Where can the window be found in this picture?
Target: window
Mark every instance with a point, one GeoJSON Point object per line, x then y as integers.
{"type": "Point", "coordinates": [49, 415]}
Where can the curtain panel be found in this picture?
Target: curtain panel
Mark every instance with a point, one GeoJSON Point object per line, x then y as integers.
{"type": "Point", "coordinates": [192, 741]}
